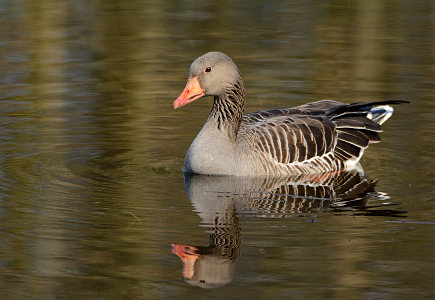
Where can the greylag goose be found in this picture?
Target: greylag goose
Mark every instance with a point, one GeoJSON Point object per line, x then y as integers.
{"type": "Point", "coordinates": [317, 137]}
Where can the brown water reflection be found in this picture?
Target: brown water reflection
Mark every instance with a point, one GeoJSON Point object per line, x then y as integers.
{"type": "Point", "coordinates": [220, 201]}
{"type": "Point", "coordinates": [91, 189]}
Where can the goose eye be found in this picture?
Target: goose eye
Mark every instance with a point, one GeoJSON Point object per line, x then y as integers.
{"type": "Point", "coordinates": [208, 69]}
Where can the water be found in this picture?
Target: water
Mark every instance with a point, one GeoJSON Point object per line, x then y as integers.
{"type": "Point", "coordinates": [91, 190]}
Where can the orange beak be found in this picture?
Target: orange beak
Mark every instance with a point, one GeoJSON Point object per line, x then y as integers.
{"type": "Point", "coordinates": [191, 92]}
{"type": "Point", "coordinates": [188, 256]}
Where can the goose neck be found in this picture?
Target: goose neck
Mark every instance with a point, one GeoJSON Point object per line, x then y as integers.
{"type": "Point", "coordinates": [227, 110]}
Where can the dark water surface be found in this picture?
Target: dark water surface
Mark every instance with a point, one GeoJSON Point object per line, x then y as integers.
{"type": "Point", "coordinates": [91, 190]}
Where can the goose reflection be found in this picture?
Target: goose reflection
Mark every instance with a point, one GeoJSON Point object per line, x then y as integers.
{"type": "Point", "coordinates": [219, 201]}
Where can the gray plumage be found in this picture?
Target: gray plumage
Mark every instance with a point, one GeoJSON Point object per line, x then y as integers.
{"type": "Point", "coordinates": [313, 138]}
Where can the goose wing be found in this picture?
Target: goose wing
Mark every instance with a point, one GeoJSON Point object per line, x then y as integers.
{"type": "Point", "coordinates": [328, 134]}
{"type": "Point", "coordinates": [287, 139]}
{"type": "Point", "coordinates": [318, 108]}
{"type": "Point", "coordinates": [357, 125]}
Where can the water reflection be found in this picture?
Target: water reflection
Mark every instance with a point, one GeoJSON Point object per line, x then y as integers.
{"type": "Point", "coordinates": [91, 150]}
{"type": "Point", "coordinates": [221, 201]}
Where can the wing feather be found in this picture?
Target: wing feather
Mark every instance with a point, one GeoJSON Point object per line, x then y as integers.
{"type": "Point", "coordinates": [348, 148]}
{"type": "Point", "coordinates": [353, 137]}
{"type": "Point", "coordinates": [328, 133]}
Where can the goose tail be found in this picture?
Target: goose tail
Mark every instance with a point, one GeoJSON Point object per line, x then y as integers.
{"type": "Point", "coordinates": [380, 114]}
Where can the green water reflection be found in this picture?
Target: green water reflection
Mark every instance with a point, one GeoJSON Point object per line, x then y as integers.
{"type": "Point", "coordinates": [91, 189]}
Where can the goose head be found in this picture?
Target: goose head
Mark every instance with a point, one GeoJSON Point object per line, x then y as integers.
{"type": "Point", "coordinates": [212, 74]}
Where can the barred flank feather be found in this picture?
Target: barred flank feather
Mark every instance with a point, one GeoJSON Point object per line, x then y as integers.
{"type": "Point", "coordinates": [324, 135]}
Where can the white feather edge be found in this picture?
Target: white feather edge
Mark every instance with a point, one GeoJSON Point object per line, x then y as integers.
{"type": "Point", "coordinates": [387, 114]}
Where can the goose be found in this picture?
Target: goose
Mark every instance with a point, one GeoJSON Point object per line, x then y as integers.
{"type": "Point", "coordinates": [318, 137]}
